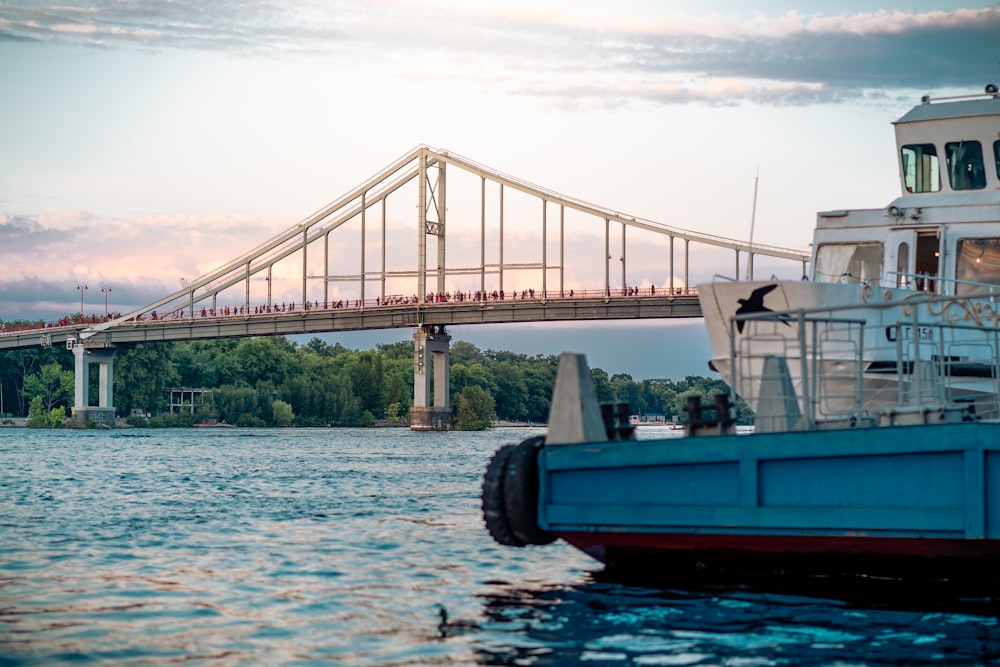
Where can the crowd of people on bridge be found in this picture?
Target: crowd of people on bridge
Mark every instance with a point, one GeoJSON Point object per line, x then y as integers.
{"type": "Point", "coordinates": [68, 321]}
{"type": "Point", "coordinates": [184, 313]}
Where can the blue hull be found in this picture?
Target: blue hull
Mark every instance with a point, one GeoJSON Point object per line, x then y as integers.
{"type": "Point", "coordinates": [922, 492]}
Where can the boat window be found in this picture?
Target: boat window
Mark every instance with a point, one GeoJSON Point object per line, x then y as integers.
{"type": "Point", "coordinates": [978, 262]}
{"type": "Point", "coordinates": [920, 168]}
{"type": "Point", "coordinates": [996, 155]}
{"type": "Point", "coordinates": [849, 262]}
{"type": "Point", "coordinates": [966, 169]}
{"type": "Point", "coordinates": [903, 265]}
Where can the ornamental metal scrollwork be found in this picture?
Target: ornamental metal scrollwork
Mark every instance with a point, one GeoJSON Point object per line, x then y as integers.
{"type": "Point", "coordinates": [979, 313]}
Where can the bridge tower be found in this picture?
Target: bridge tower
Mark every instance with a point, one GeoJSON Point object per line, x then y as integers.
{"type": "Point", "coordinates": [431, 357]}
{"type": "Point", "coordinates": [104, 411]}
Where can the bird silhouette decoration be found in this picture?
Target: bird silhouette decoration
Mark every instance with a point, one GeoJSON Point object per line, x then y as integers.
{"type": "Point", "coordinates": [754, 304]}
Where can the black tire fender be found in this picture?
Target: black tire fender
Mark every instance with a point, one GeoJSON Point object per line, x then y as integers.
{"type": "Point", "coordinates": [520, 483]}
{"type": "Point", "coordinates": [494, 510]}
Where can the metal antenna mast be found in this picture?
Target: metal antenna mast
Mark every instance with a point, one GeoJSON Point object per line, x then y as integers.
{"type": "Point", "coordinates": [753, 220]}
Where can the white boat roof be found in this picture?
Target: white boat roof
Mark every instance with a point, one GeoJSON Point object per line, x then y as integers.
{"type": "Point", "coordinates": [931, 110]}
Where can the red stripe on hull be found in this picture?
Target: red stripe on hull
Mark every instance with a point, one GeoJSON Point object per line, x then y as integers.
{"type": "Point", "coordinates": [614, 546]}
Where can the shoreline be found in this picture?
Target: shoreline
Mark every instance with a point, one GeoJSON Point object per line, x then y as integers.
{"type": "Point", "coordinates": [22, 422]}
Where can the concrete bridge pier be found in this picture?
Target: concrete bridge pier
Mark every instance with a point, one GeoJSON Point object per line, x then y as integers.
{"type": "Point", "coordinates": [83, 411]}
{"type": "Point", "coordinates": [431, 358]}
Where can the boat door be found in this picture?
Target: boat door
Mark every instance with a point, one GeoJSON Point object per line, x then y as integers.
{"type": "Point", "coordinates": [927, 260]}
{"type": "Point", "coordinates": [917, 258]}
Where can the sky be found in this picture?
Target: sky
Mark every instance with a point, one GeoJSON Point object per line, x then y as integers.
{"type": "Point", "coordinates": [145, 142]}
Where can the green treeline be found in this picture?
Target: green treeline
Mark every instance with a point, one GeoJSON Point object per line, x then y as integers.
{"type": "Point", "coordinates": [271, 381]}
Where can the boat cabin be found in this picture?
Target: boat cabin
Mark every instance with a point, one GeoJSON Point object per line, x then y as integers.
{"type": "Point", "coordinates": [942, 235]}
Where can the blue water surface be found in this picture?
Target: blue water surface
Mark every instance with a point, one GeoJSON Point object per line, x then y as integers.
{"type": "Point", "coordinates": [365, 547]}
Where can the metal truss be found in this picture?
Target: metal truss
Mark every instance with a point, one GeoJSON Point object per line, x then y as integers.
{"type": "Point", "coordinates": [429, 274]}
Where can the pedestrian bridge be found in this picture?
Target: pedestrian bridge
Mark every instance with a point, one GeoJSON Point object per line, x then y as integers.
{"type": "Point", "coordinates": [433, 240]}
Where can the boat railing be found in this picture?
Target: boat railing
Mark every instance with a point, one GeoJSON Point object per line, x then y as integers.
{"type": "Point", "coordinates": [939, 284]}
{"type": "Point", "coordinates": [840, 367]}
{"type": "Point", "coordinates": [989, 91]}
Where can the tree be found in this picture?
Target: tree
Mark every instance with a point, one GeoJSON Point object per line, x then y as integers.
{"type": "Point", "coordinates": [206, 363]}
{"type": "Point", "coordinates": [402, 350]}
{"type": "Point", "coordinates": [348, 405]}
{"type": "Point", "coordinates": [464, 352]}
{"type": "Point", "coordinates": [366, 373]}
{"type": "Point", "coordinates": [207, 410]}
{"type": "Point", "coordinates": [394, 392]}
{"type": "Point", "coordinates": [681, 401]}
{"type": "Point", "coordinates": [476, 410]}
{"type": "Point", "coordinates": [37, 416]}
{"type": "Point", "coordinates": [53, 384]}
{"type": "Point", "coordinates": [265, 359]}
{"type": "Point", "coordinates": [625, 390]}
{"type": "Point", "coordinates": [17, 365]}
{"type": "Point", "coordinates": [601, 385]}
{"type": "Point", "coordinates": [471, 374]}
{"type": "Point", "coordinates": [265, 394]}
{"type": "Point", "coordinates": [318, 346]}
{"type": "Point", "coordinates": [141, 376]}
{"type": "Point", "coordinates": [234, 402]}
{"type": "Point", "coordinates": [512, 393]}
{"type": "Point", "coordinates": [539, 379]}
{"type": "Point", "coordinates": [57, 417]}
{"type": "Point", "coordinates": [281, 413]}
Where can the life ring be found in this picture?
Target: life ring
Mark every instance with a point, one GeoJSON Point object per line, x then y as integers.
{"type": "Point", "coordinates": [510, 495]}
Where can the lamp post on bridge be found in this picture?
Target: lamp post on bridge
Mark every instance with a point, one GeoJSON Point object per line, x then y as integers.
{"type": "Point", "coordinates": [83, 288]}
{"type": "Point", "coordinates": [107, 292]}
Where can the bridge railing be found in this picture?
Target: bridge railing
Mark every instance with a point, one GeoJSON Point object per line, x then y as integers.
{"type": "Point", "coordinates": [68, 322]}
{"type": "Point", "coordinates": [396, 300]}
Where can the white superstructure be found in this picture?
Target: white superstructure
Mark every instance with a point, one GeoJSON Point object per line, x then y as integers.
{"type": "Point", "coordinates": [940, 237]}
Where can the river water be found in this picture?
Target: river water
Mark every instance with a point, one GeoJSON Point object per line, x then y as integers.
{"type": "Point", "coordinates": [366, 547]}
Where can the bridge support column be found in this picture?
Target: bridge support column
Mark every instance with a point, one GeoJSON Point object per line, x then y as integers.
{"type": "Point", "coordinates": [83, 411]}
{"type": "Point", "coordinates": [431, 358]}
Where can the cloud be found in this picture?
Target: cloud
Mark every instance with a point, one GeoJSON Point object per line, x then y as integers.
{"type": "Point", "coordinates": [20, 235]}
{"type": "Point", "coordinates": [570, 57]}
{"type": "Point", "coordinates": [146, 258]}
{"type": "Point", "coordinates": [141, 259]}
{"type": "Point", "coordinates": [35, 297]}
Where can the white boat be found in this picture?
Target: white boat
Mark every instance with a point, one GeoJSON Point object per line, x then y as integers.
{"type": "Point", "coordinates": [649, 419]}
{"type": "Point", "coordinates": [930, 257]}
